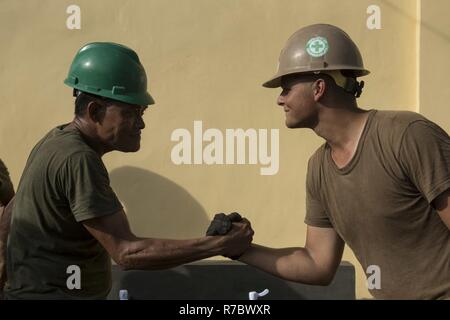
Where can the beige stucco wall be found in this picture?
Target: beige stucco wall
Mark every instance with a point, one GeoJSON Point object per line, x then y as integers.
{"type": "Point", "coordinates": [206, 61]}
{"type": "Point", "coordinates": [435, 62]}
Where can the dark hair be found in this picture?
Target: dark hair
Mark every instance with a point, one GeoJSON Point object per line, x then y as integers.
{"type": "Point", "coordinates": [353, 87]}
{"type": "Point", "coordinates": [83, 99]}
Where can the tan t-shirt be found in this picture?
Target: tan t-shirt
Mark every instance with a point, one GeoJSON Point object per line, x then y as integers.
{"type": "Point", "coordinates": [380, 203]}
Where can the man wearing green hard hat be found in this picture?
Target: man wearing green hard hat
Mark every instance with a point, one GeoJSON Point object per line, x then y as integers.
{"type": "Point", "coordinates": [66, 215]}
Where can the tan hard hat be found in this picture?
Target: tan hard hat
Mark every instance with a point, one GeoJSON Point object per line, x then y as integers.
{"type": "Point", "coordinates": [318, 48]}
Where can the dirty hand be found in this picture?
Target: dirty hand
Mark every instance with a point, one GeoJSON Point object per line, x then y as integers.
{"type": "Point", "coordinates": [238, 239]}
{"type": "Point", "coordinates": [222, 223]}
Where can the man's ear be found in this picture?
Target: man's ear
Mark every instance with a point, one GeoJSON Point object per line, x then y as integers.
{"type": "Point", "coordinates": [319, 86]}
{"type": "Point", "coordinates": [95, 111]}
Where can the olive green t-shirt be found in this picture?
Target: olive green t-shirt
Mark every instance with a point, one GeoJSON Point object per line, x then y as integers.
{"type": "Point", "coordinates": [380, 204]}
{"type": "Point", "coordinates": [64, 183]}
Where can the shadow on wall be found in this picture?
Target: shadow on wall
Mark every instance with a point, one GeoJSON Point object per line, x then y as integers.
{"type": "Point", "coordinates": [157, 207]}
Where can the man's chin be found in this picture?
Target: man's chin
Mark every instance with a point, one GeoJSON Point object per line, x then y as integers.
{"type": "Point", "coordinates": [292, 125]}
{"type": "Point", "coordinates": [298, 124]}
{"type": "Point", "coordinates": [135, 149]}
{"type": "Point", "coordinates": [129, 148]}
{"type": "Point", "coordinates": [288, 125]}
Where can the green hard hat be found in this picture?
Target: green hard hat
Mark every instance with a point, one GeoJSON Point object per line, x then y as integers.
{"type": "Point", "coordinates": [109, 70]}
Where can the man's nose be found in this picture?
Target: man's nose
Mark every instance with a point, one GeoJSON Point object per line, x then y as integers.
{"type": "Point", "coordinates": [280, 100]}
{"type": "Point", "coordinates": [141, 123]}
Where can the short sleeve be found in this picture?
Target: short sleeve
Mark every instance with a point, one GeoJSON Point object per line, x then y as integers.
{"type": "Point", "coordinates": [316, 215]}
{"type": "Point", "coordinates": [425, 157]}
{"type": "Point", "coordinates": [86, 186]}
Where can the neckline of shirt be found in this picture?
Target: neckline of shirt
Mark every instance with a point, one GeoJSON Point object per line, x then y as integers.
{"type": "Point", "coordinates": [354, 161]}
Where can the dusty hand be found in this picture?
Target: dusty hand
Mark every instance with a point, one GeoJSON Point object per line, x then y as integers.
{"type": "Point", "coordinates": [238, 239]}
{"type": "Point", "coordinates": [222, 223]}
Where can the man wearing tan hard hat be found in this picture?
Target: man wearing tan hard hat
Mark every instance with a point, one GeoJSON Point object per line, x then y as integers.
{"type": "Point", "coordinates": [380, 183]}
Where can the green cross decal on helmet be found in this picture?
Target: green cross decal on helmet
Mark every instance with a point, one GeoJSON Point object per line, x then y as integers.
{"type": "Point", "coordinates": [322, 48]}
{"type": "Point", "coordinates": [109, 70]}
{"type": "Point", "coordinates": [317, 47]}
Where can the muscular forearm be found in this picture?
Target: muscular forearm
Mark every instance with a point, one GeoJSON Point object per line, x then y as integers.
{"type": "Point", "coordinates": [293, 264]}
{"type": "Point", "coordinates": [153, 254]}
{"type": "Point", "coordinates": [114, 234]}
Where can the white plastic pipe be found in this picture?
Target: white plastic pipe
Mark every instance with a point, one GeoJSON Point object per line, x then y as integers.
{"type": "Point", "coordinates": [253, 295]}
{"type": "Point", "coordinates": [123, 295]}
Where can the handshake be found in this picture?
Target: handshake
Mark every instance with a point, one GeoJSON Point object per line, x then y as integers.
{"type": "Point", "coordinates": [236, 231]}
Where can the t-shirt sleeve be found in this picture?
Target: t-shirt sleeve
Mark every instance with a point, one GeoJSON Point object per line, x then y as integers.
{"type": "Point", "coordinates": [86, 185]}
{"type": "Point", "coordinates": [316, 215]}
{"type": "Point", "coordinates": [425, 157]}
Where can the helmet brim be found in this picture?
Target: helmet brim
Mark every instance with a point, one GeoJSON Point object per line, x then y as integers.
{"type": "Point", "coordinates": [275, 81]}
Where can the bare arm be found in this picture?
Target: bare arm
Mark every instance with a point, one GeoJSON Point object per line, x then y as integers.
{"type": "Point", "coordinates": [442, 205]}
{"type": "Point", "coordinates": [131, 252]}
{"type": "Point", "coordinates": [316, 263]}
